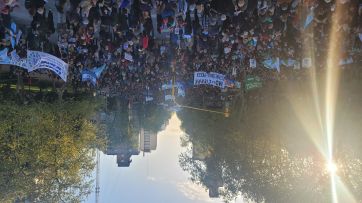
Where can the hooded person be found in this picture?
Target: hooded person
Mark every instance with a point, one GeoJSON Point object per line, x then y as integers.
{"type": "Point", "coordinates": [50, 22]}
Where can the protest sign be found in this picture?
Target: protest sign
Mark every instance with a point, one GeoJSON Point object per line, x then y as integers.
{"type": "Point", "coordinates": [252, 63]}
{"type": "Point", "coordinates": [307, 62]}
{"type": "Point", "coordinates": [214, 79]}
{"type": "Point", "coordinates": [234, 71]}
{"type": "Point", "coordinates": [252, 82]}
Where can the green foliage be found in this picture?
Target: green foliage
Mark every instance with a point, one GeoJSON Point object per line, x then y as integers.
{"type": "Point", "coordinates": [47, 151]}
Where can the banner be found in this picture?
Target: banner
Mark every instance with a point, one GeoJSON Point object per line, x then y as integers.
{"type": "Point", "coordinates": [214, 79]}
{"type": "Point", "coordinates": [15, 60]}
{"type": "Point", "coordinates": [252, 82]}
{"type": "Point", "coordinates": [35, 60]}
{"type": "Point", "coordinates": [50, 62]}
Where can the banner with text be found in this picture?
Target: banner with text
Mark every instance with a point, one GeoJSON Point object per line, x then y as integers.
{"type": "Point", "coordinates": [214, 79]}
{"type": "Point", "coordinates": [35, 60]}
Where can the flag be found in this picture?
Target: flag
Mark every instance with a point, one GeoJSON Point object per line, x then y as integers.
{"type": "Point", "coordinates": [309, 19]}
{"type": "Point", "coordinates": [98, 71]}
{"type": "Point", "coordinates": [288, 62]}
{"type": "Point", "coordinates": [15, 35]}
{"type": "Point", "coordinates": [89, 76]}
{"type": "Point", "coordinates": [272, 64]}
{"type": "Point", "coordinates": [4, 58]}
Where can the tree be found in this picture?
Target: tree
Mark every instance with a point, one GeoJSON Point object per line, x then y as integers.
{"type": "Point", "coordinates": [270, 156]}
{"type": "Point", "coordinates": [46, 151]}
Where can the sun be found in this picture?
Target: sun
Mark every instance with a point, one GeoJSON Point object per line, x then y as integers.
{"type": "Point", "coordinates": [331, 167]}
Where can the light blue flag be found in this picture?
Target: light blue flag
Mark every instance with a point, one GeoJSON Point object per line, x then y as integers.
{"type": "Point", "coordinates": [89, 76]}
{"type": "Point", "coordinates": [288, 62]}
{"type": "Point", "coordinates": [4, 58]}
{"type": "Point", "coordinates": [15, 35]}
{"type": "Point", "coordinates": [98, 71]}
{"type": "Point", "coordinates": [273, 63]}
{"type": "Point", "coordinates": [309, 19]}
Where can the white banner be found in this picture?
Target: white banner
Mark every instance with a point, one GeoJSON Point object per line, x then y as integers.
{"type": "Point", "coordinates": [214, 79]}
{"type": "Point", "coordinates": [50, 62]}
{"type": "Point", "coordinates": [35, 60]}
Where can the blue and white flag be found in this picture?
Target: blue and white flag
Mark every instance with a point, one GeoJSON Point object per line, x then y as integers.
{"type": "Point", "coordinates": [309, 19]}
{"type": "Point", "coordinates": [4, 58]}
{"type": "Point", "coordinates": [98, 71]}
{"type": "Point", "coordinates": [15, 35]}
{"type": "Point", "coordinates": [273, 63]}
{"type": "Point", "coordinates": [288, 62]}
{"type": "Point", "coordinates": [89, 76]}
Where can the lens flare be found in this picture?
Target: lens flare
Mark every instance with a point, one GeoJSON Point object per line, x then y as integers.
{"type": "Point", "coordinates": [320, 126]}
{"type": "Point", "coordinates": [331, 167]}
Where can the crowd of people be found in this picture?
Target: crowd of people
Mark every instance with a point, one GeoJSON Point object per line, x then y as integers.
{"type": "Point", "coordinates": [145, 42]}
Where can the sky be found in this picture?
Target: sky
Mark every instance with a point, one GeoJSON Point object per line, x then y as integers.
{"type": "Point", "coordinates": [155, 177]}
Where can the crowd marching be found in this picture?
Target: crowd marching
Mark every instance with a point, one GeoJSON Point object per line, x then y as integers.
{"type": "Point", "coordinates": [138, 45]}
